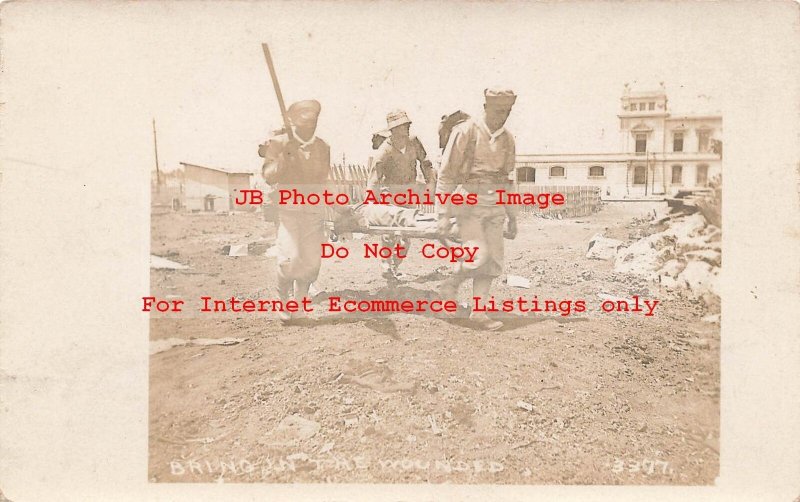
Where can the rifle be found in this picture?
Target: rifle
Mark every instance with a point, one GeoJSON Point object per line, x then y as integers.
{"type": "Point", "coordinates": [290, 156]}
{"type": "Point", "coordinates": [278, 93]}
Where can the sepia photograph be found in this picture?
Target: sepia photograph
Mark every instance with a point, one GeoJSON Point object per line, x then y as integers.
{"type": "Point", "coordinates": [399, 250]}
{"type": "Point", "coordinates": [435, 259]}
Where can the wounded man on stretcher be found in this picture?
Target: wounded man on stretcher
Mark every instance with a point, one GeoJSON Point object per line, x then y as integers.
{"type": "Point", "coordinates": [388, 219]}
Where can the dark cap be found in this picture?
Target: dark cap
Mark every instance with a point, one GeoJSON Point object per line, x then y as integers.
{"type": "Point", "coordinates": [499, 96]}
{"type": "Point", "coordinates": [304, 110]}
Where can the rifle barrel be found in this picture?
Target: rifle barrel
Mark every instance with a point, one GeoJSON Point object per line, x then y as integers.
{"type": "Point", "coordinates": [277, 88]}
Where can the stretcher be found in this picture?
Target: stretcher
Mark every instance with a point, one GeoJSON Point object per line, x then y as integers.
{"type": "Point", "coordinates": [398, 231]}
{"type": "Point", "coordinates": [340, 223]}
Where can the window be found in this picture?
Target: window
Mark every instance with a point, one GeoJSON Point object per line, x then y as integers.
{"type": "Point", "coordinates": [597, 172]}
{"type": "Point", "coordinates": [557, 172]}
{"type": "Point", "coordinates": [639, 175]}
{"type": "Point", "coordinates": [677, 175]}
{"type": "Point", "coordinates": [641, 143]}
{"type": "Point", "coordinates": [677, 142]}
{"type": "Point", "coordinates": [526, 174]}
{"type": "Point", "coordinates": [702, 175]}
{"type": "Point", "coordinates": [633, 107]}
{"type": "Point", "coordinates": [703, 136]}
{"type": "Point", "coordinates": [651, 105]}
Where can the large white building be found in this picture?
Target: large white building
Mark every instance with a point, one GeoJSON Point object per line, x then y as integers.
{"type": "Point", "coordinates": [660, 153]}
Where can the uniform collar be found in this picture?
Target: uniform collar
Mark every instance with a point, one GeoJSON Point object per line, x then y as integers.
{"type": "Point", "coordinates": [492, 135]}
{"type": "Point", "coordinates": [403, 151]}
{"type": "Point", "coordinates": [304, 143]}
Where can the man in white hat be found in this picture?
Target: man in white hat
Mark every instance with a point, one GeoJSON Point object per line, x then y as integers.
{"type": "Point", "coordinates": [395, 171]}
{"type": "Point", "coordinates": [478, 158]}
{"type": "Point", "coordinates": [302, 163]}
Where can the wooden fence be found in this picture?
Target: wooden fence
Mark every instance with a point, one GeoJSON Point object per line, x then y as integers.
{"type": "Point", "coordinates": [578, 200]}
{"type": "Point", "coordinates": [350, 179]}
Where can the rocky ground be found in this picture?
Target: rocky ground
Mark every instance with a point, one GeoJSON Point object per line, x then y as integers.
{"type": "Point", "coordinates": [589, 398]}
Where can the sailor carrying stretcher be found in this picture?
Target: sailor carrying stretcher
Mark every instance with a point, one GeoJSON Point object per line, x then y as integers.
{"type": "Point", "coordinates": [479, 158]}
{"type": "Point", "coordinates": [395, 171]}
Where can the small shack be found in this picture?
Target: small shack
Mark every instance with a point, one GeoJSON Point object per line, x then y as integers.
{"type": "Point", "coordinates": [213, 188]}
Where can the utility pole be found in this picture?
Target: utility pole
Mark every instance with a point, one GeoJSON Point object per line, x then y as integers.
{"type": "Point", "coordinates": [155, 146]}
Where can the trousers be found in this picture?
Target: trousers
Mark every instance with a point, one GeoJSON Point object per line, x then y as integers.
{"type": "Point", "coordinates": [482, 227]}
{"type": "Point", "coordinates": [299, 242]}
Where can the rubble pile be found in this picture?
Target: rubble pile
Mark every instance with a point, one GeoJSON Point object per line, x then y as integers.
{"type": "Point", "coordinates": [687, 254]}
{"type": "Point", "coordinates": [680, 251]}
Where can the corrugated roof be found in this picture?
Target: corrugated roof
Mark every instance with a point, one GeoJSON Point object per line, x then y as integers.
{"type": "Point", "coordinates": [220, 169]}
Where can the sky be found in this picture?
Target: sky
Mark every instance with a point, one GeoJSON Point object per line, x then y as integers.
{"type": "Point", "coordinates": [197, 68]}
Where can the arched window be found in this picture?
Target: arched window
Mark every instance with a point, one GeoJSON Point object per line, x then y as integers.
{"type": "Point", "coordinates": [639, 175]}
{"type": "Point", "coordinates": [702, 175]}
{"type": "Point", "coordinates": [557, 172]}
{"type": "Point", "coordinates": [677, 175]}
{"type": "Point", "coordinates": [597, 171]}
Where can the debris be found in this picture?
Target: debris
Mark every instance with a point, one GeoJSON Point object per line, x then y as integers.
{"type": "Point", "coordinates": [703, 343]}
{"type": "Point", "coordinates": [525, 406]}
{"type": "Point", "coordinates": [605, 296]}
{"type": "Point", "coordinates": [217, 341]}
{"type": "Point", "coordinates": [238, 250]}
{"type": "Point", "coordinates": [378, 377]}
{"type": "Point", "coordinates": [411, 438]}
{"type": "Point", "coordinates": [158, 262]}
{"type": "Point", "coordinates": [713, 318]}
{"type": "Point", "coordinates": [686, 255]}
{"type": "Point", "coordinates": [258, 247]}
{"type": "Point", "coordinates": [163, 344]}
{"type": "Point", "coordinates": [603, 248]}
{"type": "Point", "coordinates": [326, 447]}
{"type": "Point", "coordinates": [291, 429]}
{"type": "Point", "coordinates": [517, 281]}
{"type": "Point", "coordinates": [434, 428]}
{"type": "Point", "coordinates": [350, 421]}
{"type": "Point", "coordinates": [672, 268]}
{"type": "Point", "coordinates": [700, 277]}
{"type": "Point", "coordinates": [711, 256]}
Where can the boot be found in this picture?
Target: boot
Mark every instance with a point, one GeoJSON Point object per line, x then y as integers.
{"type": "Point", "coordinates": [483, 321]}
{"type": "Point", "coordinates": [285, 287]}
{"type": "Point", "coordinates": [301, 317]}
{"type": "Point", "coordinates": [301, 289]}
{"type": "Point", "coordinates": [480, 289]}
{"type": "Point", "coordinates": [389, 274]}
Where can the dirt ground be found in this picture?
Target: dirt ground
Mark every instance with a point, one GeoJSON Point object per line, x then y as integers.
{"type": "Point", "coordinates": [591, 398]}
